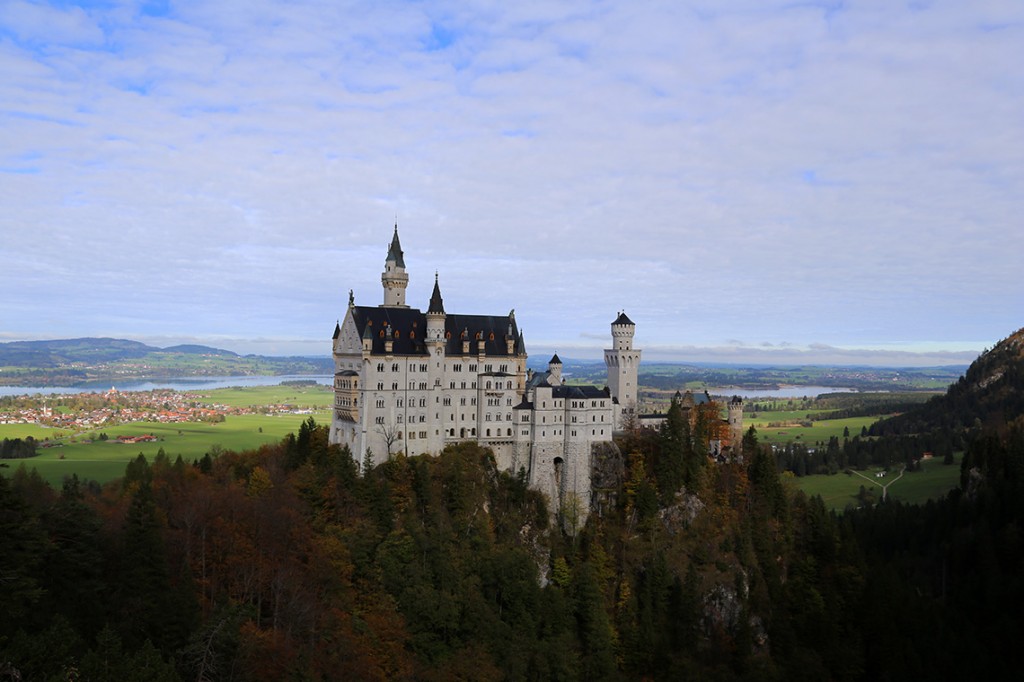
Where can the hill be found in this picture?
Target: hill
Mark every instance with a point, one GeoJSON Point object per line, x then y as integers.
{"type": "Point", "coordinates": [54, 353]}
{"type": "Point", "coordinates": [71, 362]}
{"type": "Point", "coordinates": [990, 394]}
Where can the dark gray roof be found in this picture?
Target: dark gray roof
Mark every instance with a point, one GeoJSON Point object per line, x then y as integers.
{"type": "Point", "coordinates": [407, 327]}
{"type": "Point", "coordinates": [579, 392]}
{"type": "Point", "coordinates": [554, 360]}
{"type": "Point", "coordinates": [622, 319]}
{"type": "Point", "coordinates": [538, 379]}
{"type": "Point", "coordinates": [436, 303]}
{"type": "Point", "coordinates": [395, 250]}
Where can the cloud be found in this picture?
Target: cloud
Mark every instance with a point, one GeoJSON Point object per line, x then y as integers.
{"type": "Point", "coordinates": [832, 173]}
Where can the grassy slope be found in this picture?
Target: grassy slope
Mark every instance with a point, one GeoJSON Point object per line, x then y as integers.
{"type": "Point", "coordinates": [933, 481]}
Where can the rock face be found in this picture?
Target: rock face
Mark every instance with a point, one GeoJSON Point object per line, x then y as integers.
{"type": "Point", "coordinates": [680, 514]}
{"type": "Point", "coordinates": [606, 472]}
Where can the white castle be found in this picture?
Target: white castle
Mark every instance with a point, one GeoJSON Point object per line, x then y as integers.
{"type": "Point", "coordinates": [414, 382]}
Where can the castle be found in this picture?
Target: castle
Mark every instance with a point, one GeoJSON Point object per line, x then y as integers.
{"type": "Point", "coordinates": [414, 382]}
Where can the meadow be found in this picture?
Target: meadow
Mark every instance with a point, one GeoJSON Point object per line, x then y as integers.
{"type": "Point", "coordinates": [104, 460]}
{"type": "Point", "coordinates": [818, 432]}
{"type": "Point", "coordinates": [839, 491]}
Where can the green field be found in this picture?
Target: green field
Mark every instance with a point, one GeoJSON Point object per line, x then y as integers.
{"type": "Point", "coordinates": [819, 431]}
{"type": "Point", "coordinates": [316, 397]}
{"type": "Point", "coordinates": [106, 460]}
{"type": "Point", "coordinates": [840, 490]}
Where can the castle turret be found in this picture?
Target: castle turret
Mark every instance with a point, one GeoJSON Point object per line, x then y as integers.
{"type": "Point", "coordinates": [555, 371]}
{"type": "Point", "coordinates": [435, 316]}
{"type": "Point", "coordinates": [623, 363]}
{"type": "Point", "coordinates": [394, 278]}
{"type": "Point", "coordinates": [736, 423]}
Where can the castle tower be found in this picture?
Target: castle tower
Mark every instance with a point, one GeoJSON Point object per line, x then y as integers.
{"type": "Point", "coordinates": [435, 316]}
{"type": "Point", "coordinates": [736, 423]}
{"type": "Point", "coordinates": [555, 371]}
{"type": "Point", "coordinates": [394, 278]}
{"type": "Point", "coordinates": [623, 364]}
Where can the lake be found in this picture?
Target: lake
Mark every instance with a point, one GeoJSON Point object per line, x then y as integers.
{"type": "Point", "coordinates": [781, 392]}
{"type": "Point", "coordinates": [176, 384]}
{"type": "Point", "coordinates": [207, 383]}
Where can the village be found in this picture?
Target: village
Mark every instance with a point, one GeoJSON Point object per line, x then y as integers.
{"type": "Point", "coordinates": [89, 411]}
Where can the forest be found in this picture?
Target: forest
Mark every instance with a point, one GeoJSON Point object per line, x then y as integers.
{"type": "Point", "coordinates": [294, 562]}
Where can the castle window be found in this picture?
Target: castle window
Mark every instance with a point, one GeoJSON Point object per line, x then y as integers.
{"type": "Point", "coordinates": [488, 433]}
{"type": "Point", "coordinates": [380, 366]}
{"type": "Point", "coordinates": [412, 435]}
{"type": "Point", "coordinates": [395, 334]}
{"type": "Point", "coordinates": [381, 334]}
{"type": "Point", "coordinates": [394, 367]}
{"type": "Point", "coordinates": [490, 337]}
{"type": "Point", "coordinates": [448, 335]}
{"type": "Point", "coordinates": [423, 434]}
{"type": "Point", "coordinates": [509, 432]}
{"type": "Point", "coordinates": [412, 335]}
{"type": "Point", "coordinates": [380, 385]}
{"type": "Point", "coordinates": [472, 368]}
{"type": "Point", "coordinates": [394, 385]}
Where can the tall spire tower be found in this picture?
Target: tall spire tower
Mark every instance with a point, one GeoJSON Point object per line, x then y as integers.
{"type": "Point", "coordinates": [394, 278]}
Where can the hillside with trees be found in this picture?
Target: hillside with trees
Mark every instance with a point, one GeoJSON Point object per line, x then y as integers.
{"type": "Point", "coordinates": [286, 562]}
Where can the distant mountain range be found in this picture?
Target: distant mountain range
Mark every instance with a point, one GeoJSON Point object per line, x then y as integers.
{"type": "Point", "coordinates": [67, 362]}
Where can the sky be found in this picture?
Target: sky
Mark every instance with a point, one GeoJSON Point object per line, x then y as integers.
{"type": "Point", "coordinates": [750, 181]}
